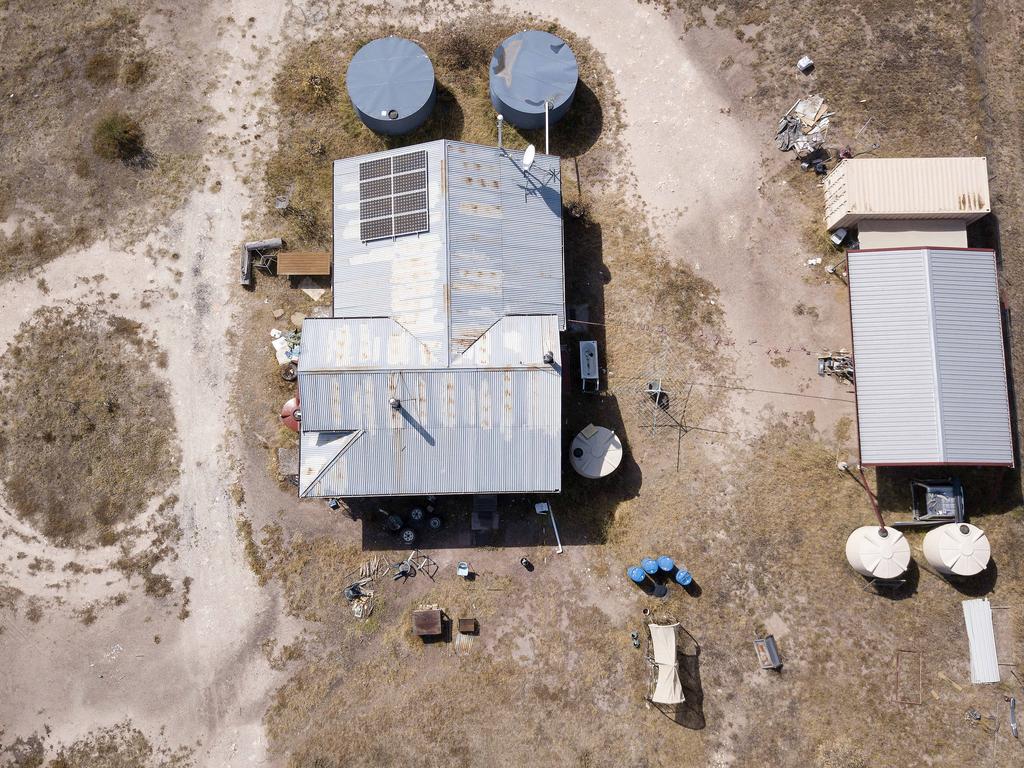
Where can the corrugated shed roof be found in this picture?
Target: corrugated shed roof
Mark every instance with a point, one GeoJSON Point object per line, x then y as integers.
{"type": "Point", "coordinates": [929, 361]}
{"type": "Point", "coordinates": [906, 187]}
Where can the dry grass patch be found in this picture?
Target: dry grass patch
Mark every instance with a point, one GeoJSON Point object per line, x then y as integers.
{"type": "Point", "coordinates": [88, 438]}
{"type": "Point", "coordinates": [119, 746]}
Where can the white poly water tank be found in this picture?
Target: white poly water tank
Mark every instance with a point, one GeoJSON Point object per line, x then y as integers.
{"type": "Point", "coordinates": [880, 557]}
{"type": "Point", "coordinates": [960, 549]}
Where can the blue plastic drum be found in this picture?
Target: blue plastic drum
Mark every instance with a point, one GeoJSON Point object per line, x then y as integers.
{"type": "Point", "coordinates": [666, 564]}
{"type": "Point", "coordinates": [683, 577]}
{"type": "Point", "coordinates": [636, 574]}
{"type": "Point", "coordinates": [649, 565]}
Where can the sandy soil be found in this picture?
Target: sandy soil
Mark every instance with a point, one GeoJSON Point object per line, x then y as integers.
{"type": "Point", "coordinates": [715, 191]}
{"type": "Point", "coordinates": [207, 681]}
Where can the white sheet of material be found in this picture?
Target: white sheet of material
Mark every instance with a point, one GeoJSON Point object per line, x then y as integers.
{"type": "Point", "coordinates": [667, 688]}
{"type": "Point", "coordinates": [982, 641]}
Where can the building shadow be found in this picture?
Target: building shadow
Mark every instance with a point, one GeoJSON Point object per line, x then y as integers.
{"type": "Point", "coordinates": [578, 131]}
{"type": "Point", "coordinates": [975, 586]}
{"type": "Point", "coordinates": [690, 714]}
{"type": "Point", "coordinates": [987, 490]}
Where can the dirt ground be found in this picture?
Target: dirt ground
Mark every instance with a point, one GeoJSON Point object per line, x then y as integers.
{"type": "Point", "coordinates": [252, 655]}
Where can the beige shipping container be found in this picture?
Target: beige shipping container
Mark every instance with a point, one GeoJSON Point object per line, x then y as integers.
{"type": "Point", "coordinates": [906, 188]}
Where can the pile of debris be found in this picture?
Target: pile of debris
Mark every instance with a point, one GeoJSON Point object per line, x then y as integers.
{"type": "Point", "coordinates": [286, 345]}
{"type": "Point", "coordinates": [359, 593]}
{"type": "Point", "coordinates": [804, 127]}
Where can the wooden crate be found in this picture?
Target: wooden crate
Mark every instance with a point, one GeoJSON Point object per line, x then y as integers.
{"type": "Point", "coordinates": [467, 626]}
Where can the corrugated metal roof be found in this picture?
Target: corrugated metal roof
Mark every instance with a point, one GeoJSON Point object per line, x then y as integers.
{"type": "Point", "coordinates": [504, 239]}
{"type": "Point", "coordinates": [454, 323]}
{"type": "Point", "coordinates": [494, 247]}
{"type": "Point", "coordinates": [929, 361]}
{"type": "Point", "coordinates": [405, 279]}
{"type": "Point", "coordinates": [906, 187]}
{"type": "Point", "coordinates": [489, 423]}
{"type": "Point", "coordinates": [981, 640]}
{"type": "Point", "coordinates": [361, 343]}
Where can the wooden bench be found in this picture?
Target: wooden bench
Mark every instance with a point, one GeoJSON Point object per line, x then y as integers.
{"type": "Point", "coordinates": [303, 263]}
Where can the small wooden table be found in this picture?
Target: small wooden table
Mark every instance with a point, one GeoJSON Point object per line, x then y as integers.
{"type": "Point", "coordinates": [467, 626]}
{"type": "Point", "coordinates": [303, 263]}
{"type": "Point", "coordinates": [427, 622]}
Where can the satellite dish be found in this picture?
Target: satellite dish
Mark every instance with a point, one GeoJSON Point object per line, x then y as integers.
{"type": "Point", "coordinates": [528, 157]}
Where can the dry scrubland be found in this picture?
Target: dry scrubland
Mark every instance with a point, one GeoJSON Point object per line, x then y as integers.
{"type": "Point", "coordinates": [553, 675]}
{"type": "Point", "coordinates": [88, 438]}
{"type": "Point", "coordinates": [764, 522]}
{"type": "Point", "coordinates": [64, 69]}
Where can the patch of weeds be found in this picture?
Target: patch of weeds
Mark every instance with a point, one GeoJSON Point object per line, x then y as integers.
{"type": "Point", "coordinates": [135, 71]}
{"type": "Point", "coordinates": [43, 286]}
{"type": "Point", "coordinates": [28, 752]}
{"type": "Point", "coordinates": [186, 588]}
{"type": "Point", "coordinates": [253, 555]}
{"type": "Point", "coordinates": [38, 564]}
{"type": "Point", "coordinates": [87, 439]}
{"type": "Point", "coordinates": [119, 137]}
{"type": "Point", "coordinates": [237, 493]}
{"type": "Point", "coordinates": [87, 614]}
{"type": "Point", "coordinates": [101, 68]}
{"type": "Point", "coordinates": [34, 610]}
{"type": "Point", "coordinates": [120, 746]}
{"type": "Point", "coordinates": [9, 597]}
{"type": "Point", "coordinates": [804, 310]}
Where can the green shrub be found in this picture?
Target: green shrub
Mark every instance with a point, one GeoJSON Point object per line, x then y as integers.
{"type": "Point", "coordinates": [119, 137]}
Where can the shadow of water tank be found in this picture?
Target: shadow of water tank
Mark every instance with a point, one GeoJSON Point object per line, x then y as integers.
{"type": "Point", "coordinates": [391, 85]}
{"type": "Point", "coordinates": [529, 69]}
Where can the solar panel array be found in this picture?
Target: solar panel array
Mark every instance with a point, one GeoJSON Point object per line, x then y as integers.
{"type": "Point", "coordinates": [393, 196]}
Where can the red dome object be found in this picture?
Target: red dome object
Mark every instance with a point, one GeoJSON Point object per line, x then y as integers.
{"type": "Point", "coordinates": [291, 414]}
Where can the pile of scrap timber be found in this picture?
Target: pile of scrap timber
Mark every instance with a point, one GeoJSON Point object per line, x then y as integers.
{"type": "Point", "coordinates": [804, 127]}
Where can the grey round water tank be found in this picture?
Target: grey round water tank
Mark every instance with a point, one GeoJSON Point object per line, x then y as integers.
{"type": "Point", "coordinates": [391, 84]}
{"type": "Point", "coordinates": [528, 69]}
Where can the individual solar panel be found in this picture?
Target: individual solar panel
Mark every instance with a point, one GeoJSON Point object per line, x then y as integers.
{"type": "Point", "coordinates": [375, 209]}
{"type": "Point", "coordinates": [373, 169]}
{"type": "Point", "coordinates": [376, 229]}
{"type": "Point", "coordinates": [375, 188]}
{"type": "Point", "coordinates": [411, 223]}
{"type": "Point", "coordinates": [410, 182]}
{"type": "Point", "coordinates": [411, 161]}
{"type": "Point", "coordinates": [393, 196]}
{"type": "Point", "coordinates": [417, 201]}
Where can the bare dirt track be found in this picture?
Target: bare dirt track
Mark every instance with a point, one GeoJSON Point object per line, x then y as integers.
{"type": "Point", "coordinates": [693, 255]}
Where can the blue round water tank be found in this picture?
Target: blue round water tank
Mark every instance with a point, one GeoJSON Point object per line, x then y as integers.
{"type": "Point", "coordinates": [666, 564]}
{"type": "Point", "coordinates": [683, 577]}
{"type": "Point", "coordinates": [649, 565]}
{"type": "Point", "coordinates": [391, 84]}
{"type": "Point", "coordinates": [529, 69]}
{"type": "Point", "coordinates": [636, 574]}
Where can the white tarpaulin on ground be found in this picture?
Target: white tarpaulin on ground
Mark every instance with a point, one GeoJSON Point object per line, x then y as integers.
{"type": "Point", "coordinates": [667, 688]}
